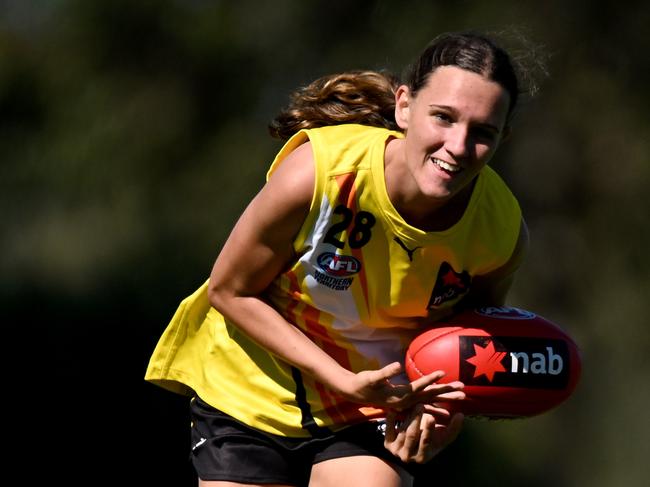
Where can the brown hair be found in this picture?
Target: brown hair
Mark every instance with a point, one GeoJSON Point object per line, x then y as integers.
{"type": "Point", "coordinates": [469, 51]}
{"type": "Point", "coordinates": [367, 97]}
{"type": "Point", "coordinates": [363, 97]}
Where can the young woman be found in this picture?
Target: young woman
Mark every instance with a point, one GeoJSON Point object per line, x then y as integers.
{"type": "Point", "coordinates": [379, 217]}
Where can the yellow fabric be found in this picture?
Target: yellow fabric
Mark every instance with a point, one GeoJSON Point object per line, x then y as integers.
{"type": "Point", "coordinates": [365, 283]}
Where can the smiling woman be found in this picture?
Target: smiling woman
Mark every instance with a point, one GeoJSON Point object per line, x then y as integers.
{"type": "Point", "coordinates": [453, 125]}
{"type": "Point", "coordinates": [380, 216]}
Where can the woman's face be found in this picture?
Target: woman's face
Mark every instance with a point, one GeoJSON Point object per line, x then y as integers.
{"type": "Point", "coordinates": [453, 126]}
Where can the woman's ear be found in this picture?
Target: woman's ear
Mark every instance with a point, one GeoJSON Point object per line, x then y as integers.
{"type": "Point", "coordinates": [402, 106]}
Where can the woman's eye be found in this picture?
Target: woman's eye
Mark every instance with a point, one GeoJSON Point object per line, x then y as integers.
{"type": "Point", "coordinates": [443, 117]}
{"type": "Point", "coordinates": [485, 134]}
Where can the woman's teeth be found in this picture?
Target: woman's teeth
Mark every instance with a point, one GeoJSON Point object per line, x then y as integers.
{"type": "Point", "coordinates": [446, 166]}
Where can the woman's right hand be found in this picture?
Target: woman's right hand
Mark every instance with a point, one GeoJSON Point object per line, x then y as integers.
{"type": "Point", "coordinates": [374, 388]}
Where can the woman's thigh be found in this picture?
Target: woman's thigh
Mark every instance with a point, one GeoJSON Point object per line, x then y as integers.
{"type": "Point", "coordinates": [360, 471]}
{"type": "Point", "coordinates": [219, 483]}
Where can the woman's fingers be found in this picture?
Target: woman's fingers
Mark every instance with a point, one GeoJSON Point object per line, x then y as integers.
{"type": "Point", "coordinates": [388, 371]}
{"type": "Point", "coordinates": [379, 378]}
{"type": "Point", "coordinates": [411, 435]}
{"type": "Point", "coordinates": [440, 413]}
{"type": "Point", "coordinates": [402, 436]}
{"type": "Point", "coordinates": [454, 427]}
{"type": "Point", "coordinates": [419, 436]}
{"type": "Point", "coordinates": [391, 428]}
{"type": "Point", "coordinates": [374, 387]}
{"type": "Point", "coordinates": [427, 380]}
{"type": "Point", "coordinates": [427, 447]}
{"type": "Point", "coordinates": [442, 388]}
{"type": "Point", "coordinates": [432, 393]}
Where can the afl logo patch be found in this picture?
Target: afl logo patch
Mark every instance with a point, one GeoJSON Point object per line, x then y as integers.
{"type": "Point", "coordinates": [338, 265]}
{"type": "Point", "coordinates": [505, 313]}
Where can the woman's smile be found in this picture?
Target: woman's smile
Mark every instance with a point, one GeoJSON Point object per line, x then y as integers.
{"type": "Point", "coordinates": [452, 125]}
{"type": "Point", "coordinates": [446, 167]}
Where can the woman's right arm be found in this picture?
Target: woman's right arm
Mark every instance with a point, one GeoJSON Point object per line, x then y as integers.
{"type": "Point", "coordinates": [259, 248]}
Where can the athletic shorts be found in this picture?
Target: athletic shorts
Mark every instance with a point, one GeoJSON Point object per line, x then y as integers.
{"type": "Point", "coordinates": [226, 449]}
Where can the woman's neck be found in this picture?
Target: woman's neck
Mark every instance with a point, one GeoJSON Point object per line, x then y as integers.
{"type": "Point", "coordinates": [422, 212]}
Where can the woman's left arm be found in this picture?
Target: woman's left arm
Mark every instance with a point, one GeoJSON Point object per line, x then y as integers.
{"type": "Point", "coordinates": [492, 289]}
{"type": "Point", "coordinates": [424, 430]}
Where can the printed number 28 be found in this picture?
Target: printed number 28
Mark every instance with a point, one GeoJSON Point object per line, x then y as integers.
{"type": "Point", "coordinates": [360, 233]}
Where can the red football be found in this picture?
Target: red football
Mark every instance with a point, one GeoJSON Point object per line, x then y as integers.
{"type": "Point", "coordinates": [513, 363]}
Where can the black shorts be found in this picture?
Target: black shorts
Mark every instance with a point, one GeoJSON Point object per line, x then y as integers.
{"type": "Point", "coordinates": [226, 449]}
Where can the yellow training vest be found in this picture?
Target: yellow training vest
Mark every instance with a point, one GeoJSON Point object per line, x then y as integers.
{"type": "Point", "coordinates": [365, 283]}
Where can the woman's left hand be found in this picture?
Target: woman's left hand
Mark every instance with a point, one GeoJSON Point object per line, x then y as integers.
{"type": "Point", "coordinates": [418, 437]}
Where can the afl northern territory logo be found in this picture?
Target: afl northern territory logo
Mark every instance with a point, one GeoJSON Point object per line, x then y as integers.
{"type": "Point", "coordinates": [335, 270]}
{"type": "Point", "coordinates": [338, 265]}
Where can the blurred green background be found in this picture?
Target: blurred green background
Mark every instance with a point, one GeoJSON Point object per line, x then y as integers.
{"type": "Point", "coordinates": [133, 133]}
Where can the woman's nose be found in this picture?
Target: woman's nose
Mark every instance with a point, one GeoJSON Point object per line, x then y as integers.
{"type": "Point", "coordinates": [457, 141]}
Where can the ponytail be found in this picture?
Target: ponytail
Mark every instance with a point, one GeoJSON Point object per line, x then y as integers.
{"type": "Point", "coordinates": [363, 97]}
